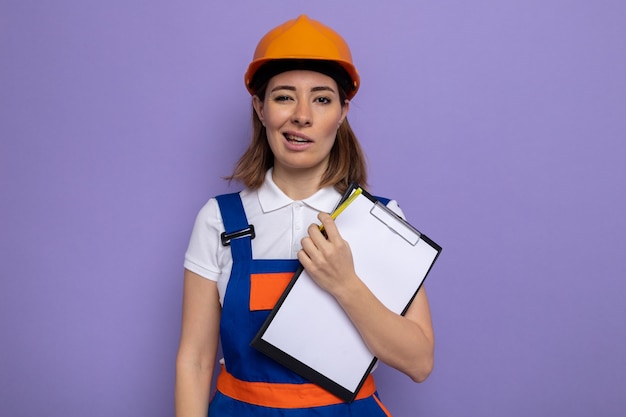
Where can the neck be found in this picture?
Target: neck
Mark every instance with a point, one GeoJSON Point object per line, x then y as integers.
{"type": "Point", "coordinates": [296, 185]}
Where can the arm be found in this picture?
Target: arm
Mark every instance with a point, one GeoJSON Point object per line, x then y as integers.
{"type": "Point", "coordinates": [403, 342]}
{"type": "Point", "coordinates": [198, 345]}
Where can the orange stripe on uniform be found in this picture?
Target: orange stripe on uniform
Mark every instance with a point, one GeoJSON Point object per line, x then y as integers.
{"type": "Point", "coordinates": [382, 407]}
{"type": "Point", "coordinates": [267, 394]}
{"type": "Point", "coordinates": [266, 289]}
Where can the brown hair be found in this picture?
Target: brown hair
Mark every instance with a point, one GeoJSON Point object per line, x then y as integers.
{"type": "Point", "coordinates": [346, 163]}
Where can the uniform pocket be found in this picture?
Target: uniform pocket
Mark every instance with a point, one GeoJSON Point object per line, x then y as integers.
{"type": "Point", "coordinates": [266, 289]}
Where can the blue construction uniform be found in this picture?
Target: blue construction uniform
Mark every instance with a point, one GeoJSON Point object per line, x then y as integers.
{"type": "Point", "coordinates": [246, 367]}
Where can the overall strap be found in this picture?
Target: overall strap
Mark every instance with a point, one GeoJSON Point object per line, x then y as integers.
{"type": "Point", "coordinates": [238, 233]}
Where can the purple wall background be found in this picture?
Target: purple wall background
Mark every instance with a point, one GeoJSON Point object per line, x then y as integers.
{"type": "Point", "coordinates": [498, 125]}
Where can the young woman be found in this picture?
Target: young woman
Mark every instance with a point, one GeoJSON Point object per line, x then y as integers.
{"type": "Point", "coordinates": [303, 155]}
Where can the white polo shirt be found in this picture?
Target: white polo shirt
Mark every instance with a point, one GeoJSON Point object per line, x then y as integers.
{"type": "Point", "coordinates": [280, 223]}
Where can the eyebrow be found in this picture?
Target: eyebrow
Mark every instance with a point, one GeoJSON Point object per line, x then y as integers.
{"type": "Point", "coordinates": [292, 88]}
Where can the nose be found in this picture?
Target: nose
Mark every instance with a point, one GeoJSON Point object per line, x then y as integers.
{"type": "Point", "coordinates": [302, 114]}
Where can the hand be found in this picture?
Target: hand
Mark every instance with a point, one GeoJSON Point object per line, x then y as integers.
{"type": "Point", "coordinates": [327, 260]}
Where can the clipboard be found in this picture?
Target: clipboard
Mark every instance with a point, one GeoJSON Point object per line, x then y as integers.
{"type": "Point", "coordinates": [309, 332]}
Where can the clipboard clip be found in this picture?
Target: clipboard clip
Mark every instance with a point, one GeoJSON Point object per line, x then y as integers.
{"type": "Point", "coordinates": [227, 237]}
{"type": "Point", "coordinates": [395, 223]}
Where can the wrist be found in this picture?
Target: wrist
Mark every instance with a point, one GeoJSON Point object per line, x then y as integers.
{"type": "Point", "coordinates": [349, 289]}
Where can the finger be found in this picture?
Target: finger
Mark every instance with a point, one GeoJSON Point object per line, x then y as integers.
{"type": "Point", "coordinates": [304, 258]}
{"type": "Point", "coordinates": [316, 235]}
{"type": "Point", "coordinates": [308, 246]}
{"type": "Point", "coordinates": [330, 227]}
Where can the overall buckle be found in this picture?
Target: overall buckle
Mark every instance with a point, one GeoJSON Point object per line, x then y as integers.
{"type": "Point", "coordinates": [227, 237]}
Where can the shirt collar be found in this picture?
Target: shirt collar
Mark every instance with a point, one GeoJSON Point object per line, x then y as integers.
{"type": "Point", "coordinates": [272, 198]}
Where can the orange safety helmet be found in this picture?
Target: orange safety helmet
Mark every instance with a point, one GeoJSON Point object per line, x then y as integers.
{"type": "Point", "coordinates": [303, 39]}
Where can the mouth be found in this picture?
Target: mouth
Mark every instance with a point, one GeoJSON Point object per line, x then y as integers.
{"type": "Point", "coordinates": [296, 139]}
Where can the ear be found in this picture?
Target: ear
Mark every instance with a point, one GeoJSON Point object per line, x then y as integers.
{"type": "Point", "coordinates": [344, 111]}
{"type": "Point", "coordinates": [258, 108]}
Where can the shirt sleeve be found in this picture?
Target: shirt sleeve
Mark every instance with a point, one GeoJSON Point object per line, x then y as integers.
{"type": "Point", "coordinates": [204, 254]}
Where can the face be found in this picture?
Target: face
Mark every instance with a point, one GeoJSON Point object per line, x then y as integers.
{"type": "Point", "coordinates": [301, 113]}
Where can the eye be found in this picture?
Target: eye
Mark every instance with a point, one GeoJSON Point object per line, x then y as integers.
{"type": "Point", "coordinates": [282, 98]}
{"type": "Point", "coordinates": [323, 100]}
